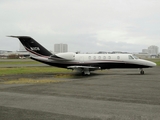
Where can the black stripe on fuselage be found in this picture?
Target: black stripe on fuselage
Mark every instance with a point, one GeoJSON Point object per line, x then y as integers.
{"type": "Point", "coordinates": [102, 65]}
{"type": "Point", "coordinates": [35, 53]}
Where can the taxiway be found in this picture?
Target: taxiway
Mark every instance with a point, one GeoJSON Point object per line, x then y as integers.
{"type": "Point", "coordinates": [112, 95]}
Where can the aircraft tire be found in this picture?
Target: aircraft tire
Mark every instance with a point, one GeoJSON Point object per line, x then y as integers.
{"type": "Point", "coordinates": [142, 72]}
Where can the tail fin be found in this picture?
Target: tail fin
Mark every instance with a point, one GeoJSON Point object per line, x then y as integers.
{"type": "Point", "coordinates": [32, 46]}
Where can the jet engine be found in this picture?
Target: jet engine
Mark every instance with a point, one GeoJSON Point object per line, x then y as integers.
{"type": "Point", "coordinates": [63, 56]}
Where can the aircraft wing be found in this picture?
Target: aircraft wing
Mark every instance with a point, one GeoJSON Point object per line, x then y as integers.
{"type": "Point", "coordinates": [84, 67]}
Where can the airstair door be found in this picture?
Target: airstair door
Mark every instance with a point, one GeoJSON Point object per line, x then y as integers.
{"type": "Point", "coordinates": [81, 59]}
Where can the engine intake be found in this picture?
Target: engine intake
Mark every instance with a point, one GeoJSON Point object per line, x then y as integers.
{"type": "Point", "coordinates": [63, 56]}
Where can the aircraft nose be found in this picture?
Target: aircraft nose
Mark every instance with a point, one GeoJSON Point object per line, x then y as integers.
{"type": "Point", "coordinates": [148, 63]}
{"type": "Point", "coordinates": [152, 64]}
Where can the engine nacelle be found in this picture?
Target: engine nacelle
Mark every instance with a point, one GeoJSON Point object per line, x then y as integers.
{"type": "Point", "coordinates": [63, 56]}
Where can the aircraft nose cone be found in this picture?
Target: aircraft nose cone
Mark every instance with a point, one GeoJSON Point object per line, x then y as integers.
{"type": "Point", "coordinates": [152, 64]}
{"type": "Point", "coordinates": [148, 63]}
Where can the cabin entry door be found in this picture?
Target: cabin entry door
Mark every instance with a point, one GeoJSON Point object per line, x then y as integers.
{"type": "Point", "coordinates": [81, 59]}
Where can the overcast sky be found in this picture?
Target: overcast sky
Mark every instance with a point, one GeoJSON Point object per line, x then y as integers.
{"type": "Point", "coordinates": [85, 25]}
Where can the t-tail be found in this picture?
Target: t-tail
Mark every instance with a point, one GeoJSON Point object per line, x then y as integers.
{"type": "Point", "coordinates": [33, 47]}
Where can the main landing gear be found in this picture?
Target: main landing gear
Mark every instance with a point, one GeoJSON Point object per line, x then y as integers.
{"type": "Point", "coordinates": [141, 71]}
{"type": "Point", "coordinates": [86, 71]}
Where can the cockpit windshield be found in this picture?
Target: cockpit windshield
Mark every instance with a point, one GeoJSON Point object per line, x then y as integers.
{"type": "Point", "coordinates": [131, 57]}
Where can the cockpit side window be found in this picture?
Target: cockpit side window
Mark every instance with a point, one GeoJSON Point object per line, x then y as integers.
{"type": "Point", "coordinates": [136, 57]}
{"type": "Point", "coordinates": [130, 57]}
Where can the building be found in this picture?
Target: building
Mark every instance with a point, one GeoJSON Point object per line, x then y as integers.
{"type": "Point", "coordinates": [153, 50]}
{"type": "Point", "coordinates": [145, 51]}
{"type": "Point", "coordinates": [142, 55]}
{"type": "Point", "coordinates": [16, 54]}
{"type": "Point", "coordinates": [60, 48]}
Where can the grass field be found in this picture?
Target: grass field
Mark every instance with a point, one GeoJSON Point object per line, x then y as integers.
{"type": "Point", "coordinates": [21, 69]}
{"type": "Point", "coordinates": [29, 70]}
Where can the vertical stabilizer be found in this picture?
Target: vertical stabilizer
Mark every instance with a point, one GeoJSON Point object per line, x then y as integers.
{"type": "Point", "coordinates": [33, 46]}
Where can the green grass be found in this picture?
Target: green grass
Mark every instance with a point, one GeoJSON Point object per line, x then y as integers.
{"type": "Point", "coordinates": [30, 70]}
{"type": "Point", "coordinates": [158, 63]}
{"type": "Point", "coordinates": [31, 81]}
{"type": "Point", "coordinates": [26, 70]}
{"type": "Point", "coordinates": [19, 62]}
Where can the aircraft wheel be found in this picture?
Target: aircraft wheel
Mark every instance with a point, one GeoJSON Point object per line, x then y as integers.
{"type": "Point", "coordinates": [87, 73]}
{"type": "Point", "coordinates": [83, 73]}
{"type": "Point", "coordinates": [142, 72]}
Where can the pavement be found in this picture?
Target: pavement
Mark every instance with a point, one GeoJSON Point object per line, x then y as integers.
{"type": "Point", "coordinates": [104, 95]}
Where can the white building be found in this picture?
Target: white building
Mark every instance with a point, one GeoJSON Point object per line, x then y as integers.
{"type": "Point", "coordinates": [153, 50]}
{"type": "Point", "coordinates": [60, 48]}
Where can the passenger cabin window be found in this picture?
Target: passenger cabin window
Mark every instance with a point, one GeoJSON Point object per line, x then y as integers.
{"type": "Point", "coordinates": [109, 57]}
{"type": "Point", "coordinates": [94, 57]}
{"type": "Point", "coordinates": [89, 57]}
{"type": "Point", "coordinates": [99, 57]}
{"type": "Point", "coordinates": [104, 57]}
{"type": "Point", "coordinates": [118, 57]}
{"type": "Point", "coordinates": [131, 57]}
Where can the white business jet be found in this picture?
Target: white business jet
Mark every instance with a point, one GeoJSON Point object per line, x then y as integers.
{"type": "Point", "coordinates": [82, 62]}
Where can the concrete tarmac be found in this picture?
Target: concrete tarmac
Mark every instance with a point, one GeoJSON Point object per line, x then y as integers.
{"type": "Point", "coordinates": [105, 95]}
